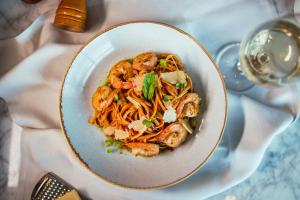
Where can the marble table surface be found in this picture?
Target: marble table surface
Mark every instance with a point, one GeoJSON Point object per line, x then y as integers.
{"type": "Point", "coordinates": [277, 177]}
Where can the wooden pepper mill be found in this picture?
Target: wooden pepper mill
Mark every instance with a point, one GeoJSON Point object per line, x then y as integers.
{"type": "Point", "coordinates": [71, 15]}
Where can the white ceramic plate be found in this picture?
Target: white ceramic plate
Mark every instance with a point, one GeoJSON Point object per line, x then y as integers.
{"type": "Point", "coordinates": [91, 65]}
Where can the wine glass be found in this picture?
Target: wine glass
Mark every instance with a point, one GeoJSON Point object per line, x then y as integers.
{"type": "Point", "coordinates": [269, 55]}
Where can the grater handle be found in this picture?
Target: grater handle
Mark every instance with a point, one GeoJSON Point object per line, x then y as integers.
{"type": "Point", "coordinates": [45, 181]}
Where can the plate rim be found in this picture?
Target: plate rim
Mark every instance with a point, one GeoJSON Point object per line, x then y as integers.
{"type": "Point", "coordinates": [73, 150]}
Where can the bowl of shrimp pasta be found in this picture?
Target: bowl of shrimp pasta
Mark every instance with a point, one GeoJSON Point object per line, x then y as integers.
{"type": "Point", "coordinates": [143, 105]}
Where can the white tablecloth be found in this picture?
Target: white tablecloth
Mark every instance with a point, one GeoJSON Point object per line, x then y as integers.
{"type": "Point", "coordinates": [33, 65]}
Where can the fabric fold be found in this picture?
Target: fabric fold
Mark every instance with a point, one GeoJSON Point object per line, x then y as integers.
{"type": "Point", "coordinates": [47, 150]}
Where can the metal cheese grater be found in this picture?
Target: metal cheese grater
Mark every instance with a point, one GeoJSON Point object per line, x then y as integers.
{"type": "Point", "coordinates": [51, 187]}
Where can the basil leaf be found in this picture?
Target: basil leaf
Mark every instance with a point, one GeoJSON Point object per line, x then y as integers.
{"type": "Point", "coordinates": [151, 92]}
{"type": "Point", "coordinates": [147, 123]}
{"type": "Point", "coordinates": [163, 63]}
{"type": "Point", "coordinates": [149, 85]}
{"type": "Point", "coordinates": [145, 88]}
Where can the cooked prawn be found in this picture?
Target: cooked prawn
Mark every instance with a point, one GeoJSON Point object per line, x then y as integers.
{"type": "Point", "coordinates": [173, 135]}
{"type": "Point", "coordinates": [189, 106]}
{"type": "Point", "coordinates": [143, 149]}
{"type": "Point", "coordinates": [145, 61]}
{"type": "Point", "coordinates": [120, 69]}
{"type": "Point", "coordinates": [103, 97]}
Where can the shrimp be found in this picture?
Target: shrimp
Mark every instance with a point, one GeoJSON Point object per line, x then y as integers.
{"type": "Point", "coordinates": [103, 97]}
{"type": "Point", "coordinates": [116, 72]}
{"type": "Point", "coordinates": [145, 61]}
{"type": "Point", "coordinates": [143, 149]}
{"type": "Point", "coordinates": [173, 135]}
{"type": "Point", "coordinates": [189, 106]}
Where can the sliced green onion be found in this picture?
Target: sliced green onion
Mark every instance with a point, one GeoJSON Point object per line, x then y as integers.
{"type": "Point", "coordinates": [110, 150]}
{"type": "Point", "coordinates": [108, 142]}
{"type": "Point", "coordinates": [114, 145]}
{"type": "Point", "coordinates": [166, 98]}
{"type": "Point", "coordinates": [183, 85]}
{"type": "Point", "coordinates": [163, 63]}
{"type": "Point", "coordinates": [130, 61]}
{"type": "Point", "coordinates": [118, 144]}
{"type": "Point", "coordinates": [193, 122]}
{"type": "Point", "coordinates": [116, 97]}
{"type": "Point", "coordinates": [105, 81]}
{"type": "Point", "coordinates": [147, 123]}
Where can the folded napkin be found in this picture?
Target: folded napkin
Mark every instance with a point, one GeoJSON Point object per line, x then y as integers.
{"type": "Point", "coordinates": [32, 68]}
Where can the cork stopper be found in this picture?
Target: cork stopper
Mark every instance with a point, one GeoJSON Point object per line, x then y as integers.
{"type": "Point", "coordinates": [71, 15]}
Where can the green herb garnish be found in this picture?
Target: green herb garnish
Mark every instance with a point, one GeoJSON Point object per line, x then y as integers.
{"type": "Point", "coordinates": [116, 97]}
{"type": "Point", "coordinates": [110, 150]}
{"type": "Point", "coordinates": [147, 123]}
{"type": "Point", "coordinates": [105, 81]}
{"type": "Point", "coordinates": [163, 63]}
{"type": "Point", "coordinates": [149, 85]}
{"type": "Point", "coordinates": [108, 142]}
{"type": "Point", "coordinates": [118, 144]}
{"type": "Point", "coordinates": [193, 122]}
{"type": "Point", "coordinates": [166, 98]}
{"type": "Point", "coordinates": [181, 85]}
{"type": "Point", "coordinates": [113, 145]}
{"type": "Point", "coordinates": [130, 61]}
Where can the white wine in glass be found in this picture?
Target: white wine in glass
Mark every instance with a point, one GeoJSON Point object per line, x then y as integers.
{"type": "Point", "coordinates": [270, 55]}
